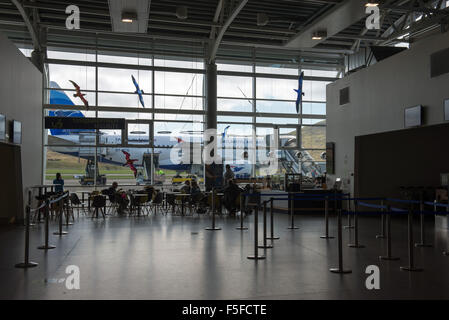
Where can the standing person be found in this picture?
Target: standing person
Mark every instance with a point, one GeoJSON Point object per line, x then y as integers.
{"type": "Point", "coordinates": [59, 183]}
{"type": "Point", "coordinates": [228, 175]}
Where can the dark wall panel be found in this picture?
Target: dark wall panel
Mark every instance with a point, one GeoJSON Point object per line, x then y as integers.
{"type": "Point", "coordinates": [411, 157]}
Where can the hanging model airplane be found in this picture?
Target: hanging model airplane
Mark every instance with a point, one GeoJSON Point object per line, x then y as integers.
{"type": "Point", "coordinates": [299, 92]}
{"type": "Point", "coordinates": [130, 162]}
{"type": "Point", "coordinates": [80, 95]}
{"type": "Point", "coordinates": [138, 91]}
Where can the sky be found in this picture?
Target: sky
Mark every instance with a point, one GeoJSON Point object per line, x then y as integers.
{"type": "Point", "coordinates": [114, 79]}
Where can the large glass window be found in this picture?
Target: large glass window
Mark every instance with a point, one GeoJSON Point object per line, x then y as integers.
{"type": "Point", "coordinates": [249, 109]}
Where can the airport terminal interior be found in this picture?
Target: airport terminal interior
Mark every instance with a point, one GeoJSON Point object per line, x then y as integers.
{"type": "Point", "coordinates": [224, 149]}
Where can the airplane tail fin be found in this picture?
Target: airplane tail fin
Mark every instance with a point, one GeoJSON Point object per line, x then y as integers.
{"type": "Point", "coordinates": [59, 97]}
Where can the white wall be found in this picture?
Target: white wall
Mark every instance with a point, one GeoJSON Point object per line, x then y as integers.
{"type": "Point", "coordinates": [378, 96]}
{"type": "Point", "coordinates": [21, 99]}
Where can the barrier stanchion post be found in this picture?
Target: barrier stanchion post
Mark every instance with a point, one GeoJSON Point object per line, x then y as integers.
{"type": "Point", "coordinates": [256, 237]}
{"type": "Point", "coordinates": [292, 213]}
{"type": "Point", "coordinates": [272, 237]}
{"type": "Point", "coordinates": [242, 202]}
{"type": "Point", "coordinates": [213, 228]}
{"type": "Point", "coordinates": [46, 246]}
{"type": "Point", "coordinates": [411, 262]}
{"type": "Point", "coordinates": [27, 263]}
{"type": "Point", "coordinates": [349, 226]}
{"type": "Point", "coordinates": [61, 214]}
{"type": "Point", "coordinates": [388, 231]}
{"type": "Point", "coordinates": [356, 230]}
{"type": "Point", "coordinates": [446, 252]}
{"type": "Point", "coordinates": [326, 219]}
{"type": "Point", "coordinates": [29, 204]}
{"type": "Point", "coordinates": [67, 211]}
{"type": "Point", "coordinates": [382, 225]}
{"type": "Point", "coordinates": [265, 245]}
{"type": "Point", "coordinates": [422, 226]}
{"type": "Point", "coordinates": [340, 248]}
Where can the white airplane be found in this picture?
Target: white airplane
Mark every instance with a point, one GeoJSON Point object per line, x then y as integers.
{"type": "Point", "coordinates": [78, 142]}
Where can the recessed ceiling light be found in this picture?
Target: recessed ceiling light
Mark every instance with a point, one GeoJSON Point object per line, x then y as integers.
{"type": "Point", "coordinates": [129, 17]}
{"type": "Point", "coordinates": [319, 35]}
{"type": "Point", "coordinates": [372, 3]}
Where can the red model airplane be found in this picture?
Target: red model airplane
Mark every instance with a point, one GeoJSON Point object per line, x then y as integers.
{"type": "Point", "coordinates": [79, 94]}
{"type": "Point", "coordinates": [130, 162]}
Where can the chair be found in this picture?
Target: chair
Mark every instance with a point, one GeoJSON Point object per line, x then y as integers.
{"type": "Point", "coordinates": [171, 202]}
{"type": "Point", "coordinates": [75, 203]}
{"type": "Point", "coordinates": [99, 204]}
{"type": "Point", "coordinates": [157, 201]}
{"type": "Point", "coordinates": [142, 203]}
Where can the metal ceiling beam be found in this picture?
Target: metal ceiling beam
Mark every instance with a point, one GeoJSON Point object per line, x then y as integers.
{"type": "Point", "coordinates": [425, 23]}
{"type": "Point", "coordinates": [333, 21]}
{"type": "Point", "coordinates": [223, 29]}
{"type": "Point", "coordinates": [218, 10]}
{"type": "Point", "coordinates": [29, 25]}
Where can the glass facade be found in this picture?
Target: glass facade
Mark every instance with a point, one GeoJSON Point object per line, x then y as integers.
{"type": "Point", "coordinates": [253, 101]}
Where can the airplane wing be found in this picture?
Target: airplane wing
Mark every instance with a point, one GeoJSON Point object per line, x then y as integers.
{"type": "Point", "coordinates": [53, 140]}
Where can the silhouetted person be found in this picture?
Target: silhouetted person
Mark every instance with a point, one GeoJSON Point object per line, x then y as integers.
{"type": "Point", "coordinates": [59, 183]}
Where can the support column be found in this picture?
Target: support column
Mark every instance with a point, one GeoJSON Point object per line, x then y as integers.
{"type": "Point", "coordinates": [213, 172]}
{"type": "Point", "coordinates": [211, 95]}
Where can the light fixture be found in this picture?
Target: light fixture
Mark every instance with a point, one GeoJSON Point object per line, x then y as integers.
{"type": "Point", "coordinates": [319, 35]}
{"type": "Point", "coordinates": [181, 12]}
{"type": "Point", "coordinates": [262, 19]}
{"type": "Point", "coordinates": [372, 3]}
{"type": "Point", "coordinates": [129, 17]}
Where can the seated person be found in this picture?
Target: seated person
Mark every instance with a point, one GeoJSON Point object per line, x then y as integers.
{"type": "Point", "coordinates": [119, 196]}
{"type": "Point", "coordinates": [194, 189]}
{"type": "Point", "coordinates": [186, 187]}
{"type": "Point", "coordinates": [59, 183]}
{"type": "Point", "coordinates": [231, 193]}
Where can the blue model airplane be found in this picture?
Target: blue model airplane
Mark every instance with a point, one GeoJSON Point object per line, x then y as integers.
{"type": "Point", "coordinates": [299, 91]}
{"type": "Point", "coordinates": [138, 91]}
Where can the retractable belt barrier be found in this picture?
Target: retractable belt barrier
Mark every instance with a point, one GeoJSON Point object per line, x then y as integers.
{"type": "Point", "coordinates": [45, 205]}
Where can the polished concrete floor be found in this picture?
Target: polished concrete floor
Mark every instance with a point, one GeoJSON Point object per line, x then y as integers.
{"type": "Point", "coordinates": [167, 257]}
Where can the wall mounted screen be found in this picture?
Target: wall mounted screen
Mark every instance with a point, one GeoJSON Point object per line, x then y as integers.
{"type": "Point", "coordinates": [2, 127]}
{"type": "Point", "coordinates": [16, 132]}
{"type": "Point", "coordinates": [413, 116]}
{"type": "Point", "coordinates": [446, 109]}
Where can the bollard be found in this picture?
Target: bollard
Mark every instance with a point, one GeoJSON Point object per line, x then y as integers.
{"type": "Point", "coordinates": [213, 228]}
{"type": "Point", "coordinates": [272, 237]}
{"type": "Point", "coordinates": [265, 245]}
{"type": "Point", "coordinates": [61, 214]}
{"type": "Point", "coordinates": [46, 246]}
{"type": "Point", "coordinates": [356, 231]}
{"type": "Point", "coordinates": [292, 215]}
{"type": "Point", "coordinates": [340, 249]}
{"type": "Point", "coordinates": [27, 263]}
{"type": "Point", "coordinates": [382, 224]}
{"type": "Point", "coordinates": [411, 262]}
{"type": "Point", "coordinates": [326, 219]}
{"type": "Point", "coordinates": [422, 227]}
{"type": "Point", "coordinates": [388, 230]}
{"type": "Point", "coordinates": [256, 237]}
{"type": "Point", "coordinates": [242, 201]}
